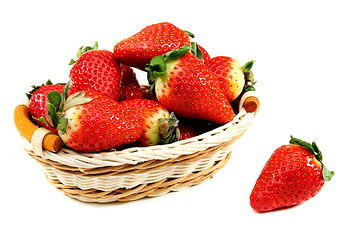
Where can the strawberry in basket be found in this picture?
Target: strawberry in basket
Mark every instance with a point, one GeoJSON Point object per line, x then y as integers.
{"type": "Point", "coordinates": [185, 86]}
{"type": "Point", "coordinates": [293, 174]}
{"type": "Point", "coordinates": [89, 121]}
{"type": "Point", "coordinates": [159, 126]}
{"type": "Point", "coordinates": [130, 87]}
{"type": "Point", "coordinates": [38, 103]}
{"type": "Point", "coordinates": [156, 39]}
{"type": "Point", "coordinates": [229, 74]}
{"type": "Point", "coordinates": [187, 130]}
{"type": "Point", "coordinates": [96, 70]}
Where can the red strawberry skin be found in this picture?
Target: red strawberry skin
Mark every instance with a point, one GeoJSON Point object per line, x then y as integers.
{"type": "Point", "coordinates": [229, 74]}
{"type": "Point", "coordinates": [97, 70]}
{"type": "Point", "coordinates": [190, 90]}
{"type": "Point", "coordinates": [99, 125]}
{"type": "Point", "coordinates": [148, 112]}
{"type": "Point", "coordinates": [38, 101]}
{"type": "Point", "coordinates": [130, 87]}
{"type": "Point", "coordinates": [156, 39]}
{"type": "Point", "coordinates": [186, 130]}
{"type": "Point", "coordinates": [291, 176]}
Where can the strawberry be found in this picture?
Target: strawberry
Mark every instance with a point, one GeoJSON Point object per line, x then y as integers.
{"type": "Point", "coordinates": [156, 39]}
{"type": "Point", "coordinates": [90, 121]}
{"type": "Point", "coordinates": [186, 130]}
{"type": "Point", "coordinates": [293, 174]}
{"type": "Point", "coordinates": [229, 74]}
{"type": "Point", "coordinates": [158, 125]}
{"type": "Point", "coordinates": [130, 87]}
{"type": "Point", "coordinates": [185, 86]}
{"type": "Point", "coordinates": [147, 92]}
{"type": "Point", "coordinates": [205, 55]}
{"type": "Point", "coordinates": [96, 70]}
{"type": "Point", "coordinates": [38, 103]}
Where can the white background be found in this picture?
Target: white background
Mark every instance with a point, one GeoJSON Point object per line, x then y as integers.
{"type": "Point", "coordinates": [307, 67]}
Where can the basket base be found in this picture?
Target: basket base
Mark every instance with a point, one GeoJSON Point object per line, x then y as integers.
{"type": "Point", "coordinates": [141, 191]}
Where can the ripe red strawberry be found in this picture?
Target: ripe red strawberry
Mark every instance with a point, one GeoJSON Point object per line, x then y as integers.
{"type": "Point", "coordinates": [90, 121]}
{"type": "Point", "coordinates": [156, 39]}
{"type": "Point", "coordinates": [186, 130]}
{"type": "Point", "coordinates": [130, 87]}
{"type": "Point", "coordinates": [185, 86]}
{"type": "Point", "coordinates": [38, 103]}
{"type": "Point", "coordinates": [97, 70]}
{"type": "Point", "coordinates": [293, 174]}
{"type": "Point", "coordinates": [158, 125]}
{"type": "Point", "coordinates": [229, 74]}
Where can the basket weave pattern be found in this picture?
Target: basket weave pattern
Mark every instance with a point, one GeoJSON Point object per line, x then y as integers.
{"type": "Point", "coordinates": [139, 172]}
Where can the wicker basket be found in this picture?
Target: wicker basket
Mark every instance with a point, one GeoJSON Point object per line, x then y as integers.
{"type": "Point", "coordinates": [139, 172]}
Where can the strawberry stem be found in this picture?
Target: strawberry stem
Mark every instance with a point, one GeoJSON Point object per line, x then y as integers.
{"type": "Point", "coordinates": [314, 149]}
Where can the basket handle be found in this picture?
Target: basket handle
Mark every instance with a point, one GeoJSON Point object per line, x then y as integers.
{"type": "Point", "coordinates": [26, 128]}
{"type": "Point", "coordinates": [250, 102]}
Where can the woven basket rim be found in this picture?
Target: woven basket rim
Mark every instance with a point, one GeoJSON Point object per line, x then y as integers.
{"type": "Point", "coordinates": [135, 155]}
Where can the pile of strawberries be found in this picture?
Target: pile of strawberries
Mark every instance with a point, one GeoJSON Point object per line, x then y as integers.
{"type": "Point", "coordinates": [104, 107]}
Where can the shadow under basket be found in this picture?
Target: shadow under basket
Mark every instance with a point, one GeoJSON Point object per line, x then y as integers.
{"type": "Point", "coordinates": [136, 172]}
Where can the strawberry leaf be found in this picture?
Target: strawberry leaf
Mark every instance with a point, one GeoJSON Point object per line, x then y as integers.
{"type": "Point", "coordinates": [247, 66]}
{"type": "Point", "coordinates": [176, 54]}
{"type": "Point", "coordinates": [53, 114]}
{"type": "Point", "coordinates": [249, 76]}
{"type": "Point", "coordinates": [62, 126]}
{"type": "Point", "coordinates": [54, 98]}
{"type": "Point", "coordinates": [313, 148]}
{"type": "Point", "coordinates": [156, 68]}
{"type": "Point", "coordinates": [66, 90]}
{"type": "Point", "coordinates": [41, 119]}
{"type": "Point", "coordinates": [76, 99]}
{"type": "Point", "coordinates": [317, 151]}
{"type": "Point", "coordinates": [157, 65]}
{"type": "Point", "coordinates": [196, 50]}
{"type": "Point", "coordinates": [190, 34]}
{"type": "Point", "coordinates": [327, 175]}
{"type": "Point", "coordinates": [302, 143]}
{"type": "Point", "coordinates": [82, 50]}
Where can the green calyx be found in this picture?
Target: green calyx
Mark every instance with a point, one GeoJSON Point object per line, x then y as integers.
{"type": "Point", "coordinates": [168, 129]}
{"type": "Point", "coordinates": [59, 103]}
{"type": "Point", "coordinates": [249, 76]}
{"type": "Point", "coordinates": [190, 34]}
{"type": "Point", "coordinates": [313, 148]}
{"type": "Point", "coordinates": [157, 65]}
{"type": "Point", "coordinates": [82, 50]}
{"type": "Point", "coordinates": [196, 50]}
